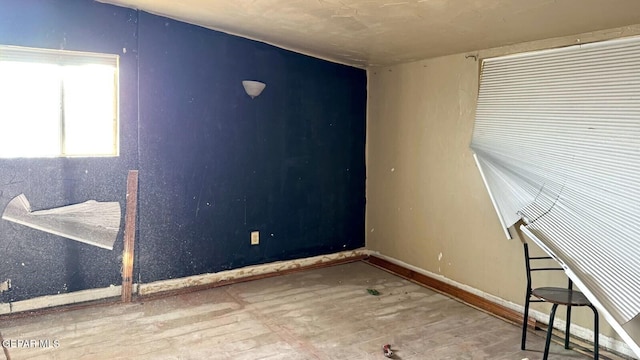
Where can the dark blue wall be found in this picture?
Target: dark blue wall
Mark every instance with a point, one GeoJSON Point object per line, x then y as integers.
{"type": "Point", "coordinates": [214, 163]}
{"type": "Point", "coordinates": [39, 263]}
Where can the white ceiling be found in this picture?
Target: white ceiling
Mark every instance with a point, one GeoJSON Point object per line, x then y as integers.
{"type": "Point", "coordinates": [383, 32]}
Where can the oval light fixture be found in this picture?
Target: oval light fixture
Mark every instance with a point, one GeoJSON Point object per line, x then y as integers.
{"type": "Point", "coordinates": [253, 88]}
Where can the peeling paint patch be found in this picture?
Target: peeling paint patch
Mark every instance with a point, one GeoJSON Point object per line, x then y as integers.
{"type": "Point", "coordinates": [440, 257]}
{"type": "Point", "coordinates": [5, 286]}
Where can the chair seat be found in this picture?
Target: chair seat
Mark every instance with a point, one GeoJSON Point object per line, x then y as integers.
{"type": "Point", "coordinates": [556, 296]}
{"type": "Point", "coordinates": [561, 296]}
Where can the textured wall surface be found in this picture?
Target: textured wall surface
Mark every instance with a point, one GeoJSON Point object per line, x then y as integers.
{"type": "Point", "coordinates": [426, 203]}
{"type": "Point", "coordinates": [214, 164]}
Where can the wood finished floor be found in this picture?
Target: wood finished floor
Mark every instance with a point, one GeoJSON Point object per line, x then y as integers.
{"type": "Point", "coordinates": [316, 314]}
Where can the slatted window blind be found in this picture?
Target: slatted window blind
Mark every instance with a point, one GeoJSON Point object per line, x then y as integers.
{"type": "Point", "coordinates": [557, 141]}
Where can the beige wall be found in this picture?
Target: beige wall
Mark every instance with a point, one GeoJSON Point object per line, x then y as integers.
{"type": "Point", "coordinates": [426, 203]}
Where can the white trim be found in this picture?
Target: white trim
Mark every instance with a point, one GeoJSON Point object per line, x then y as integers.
{"type": "Point", "coordinates": [576, 330]}
{"type": "Point", "coordinates": [75, 297]}
{"type": "Point", "coordinates": [235, 274]}
{"type": "Point", "coordinates": [48, 301]}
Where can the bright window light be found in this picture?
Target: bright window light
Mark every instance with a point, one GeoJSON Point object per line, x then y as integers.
{"type": "Point", "coordinates": [57, 103]}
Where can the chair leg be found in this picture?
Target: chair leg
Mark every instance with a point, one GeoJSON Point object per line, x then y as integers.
{"type": "Point", "coordinates": [525, 321]}
{"type": "Point", "coordinates": [549, 331]}
{"type": "Point", "coordinates": [567, 331]}
{"type": "Point", "coordinates": [596, 332]}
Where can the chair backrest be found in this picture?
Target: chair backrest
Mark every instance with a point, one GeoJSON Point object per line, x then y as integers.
{"type": "Point", "coordinates": [531, 263]}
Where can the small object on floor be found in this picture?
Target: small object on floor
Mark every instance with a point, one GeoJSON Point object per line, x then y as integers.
{"type": "Point", "coordinates": [386, 350]}
{"type": "Point", "coordinates": [373, 292]}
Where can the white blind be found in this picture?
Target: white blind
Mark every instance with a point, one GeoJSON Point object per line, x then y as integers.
{"type": "Point", "coordinates": [557, 138]}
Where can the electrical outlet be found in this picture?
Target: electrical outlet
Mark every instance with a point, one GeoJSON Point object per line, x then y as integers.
{"type": "Point", "coordinates": [255, 237]}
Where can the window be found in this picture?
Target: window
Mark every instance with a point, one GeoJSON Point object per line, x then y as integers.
{"type": "Point", "coordinates": [557, 140]}
{"type": "Point", "coordinates": [56, 103]}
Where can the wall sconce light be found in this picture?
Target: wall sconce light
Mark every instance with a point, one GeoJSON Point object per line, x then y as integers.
{"type": "Point", "coordinates": [253, 88]}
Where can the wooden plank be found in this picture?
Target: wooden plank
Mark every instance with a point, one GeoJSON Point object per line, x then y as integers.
{"type": "Point", "coordinates": [448, 289]}
{"type": "Point", "coordinates": [129, 235]}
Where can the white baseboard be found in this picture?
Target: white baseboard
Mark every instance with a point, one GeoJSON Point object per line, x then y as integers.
{"type": "Point", "coordinates": [577, 331]}
{"type": "Point", "coordinates": [236, 274]}
{"type": "Point", "coordinates": [76, 297]}
{"type": "Point", "coordinates": [48, 301]}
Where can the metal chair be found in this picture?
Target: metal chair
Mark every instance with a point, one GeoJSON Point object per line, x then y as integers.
{"type": "Point", "coordinates": [556, 296]}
